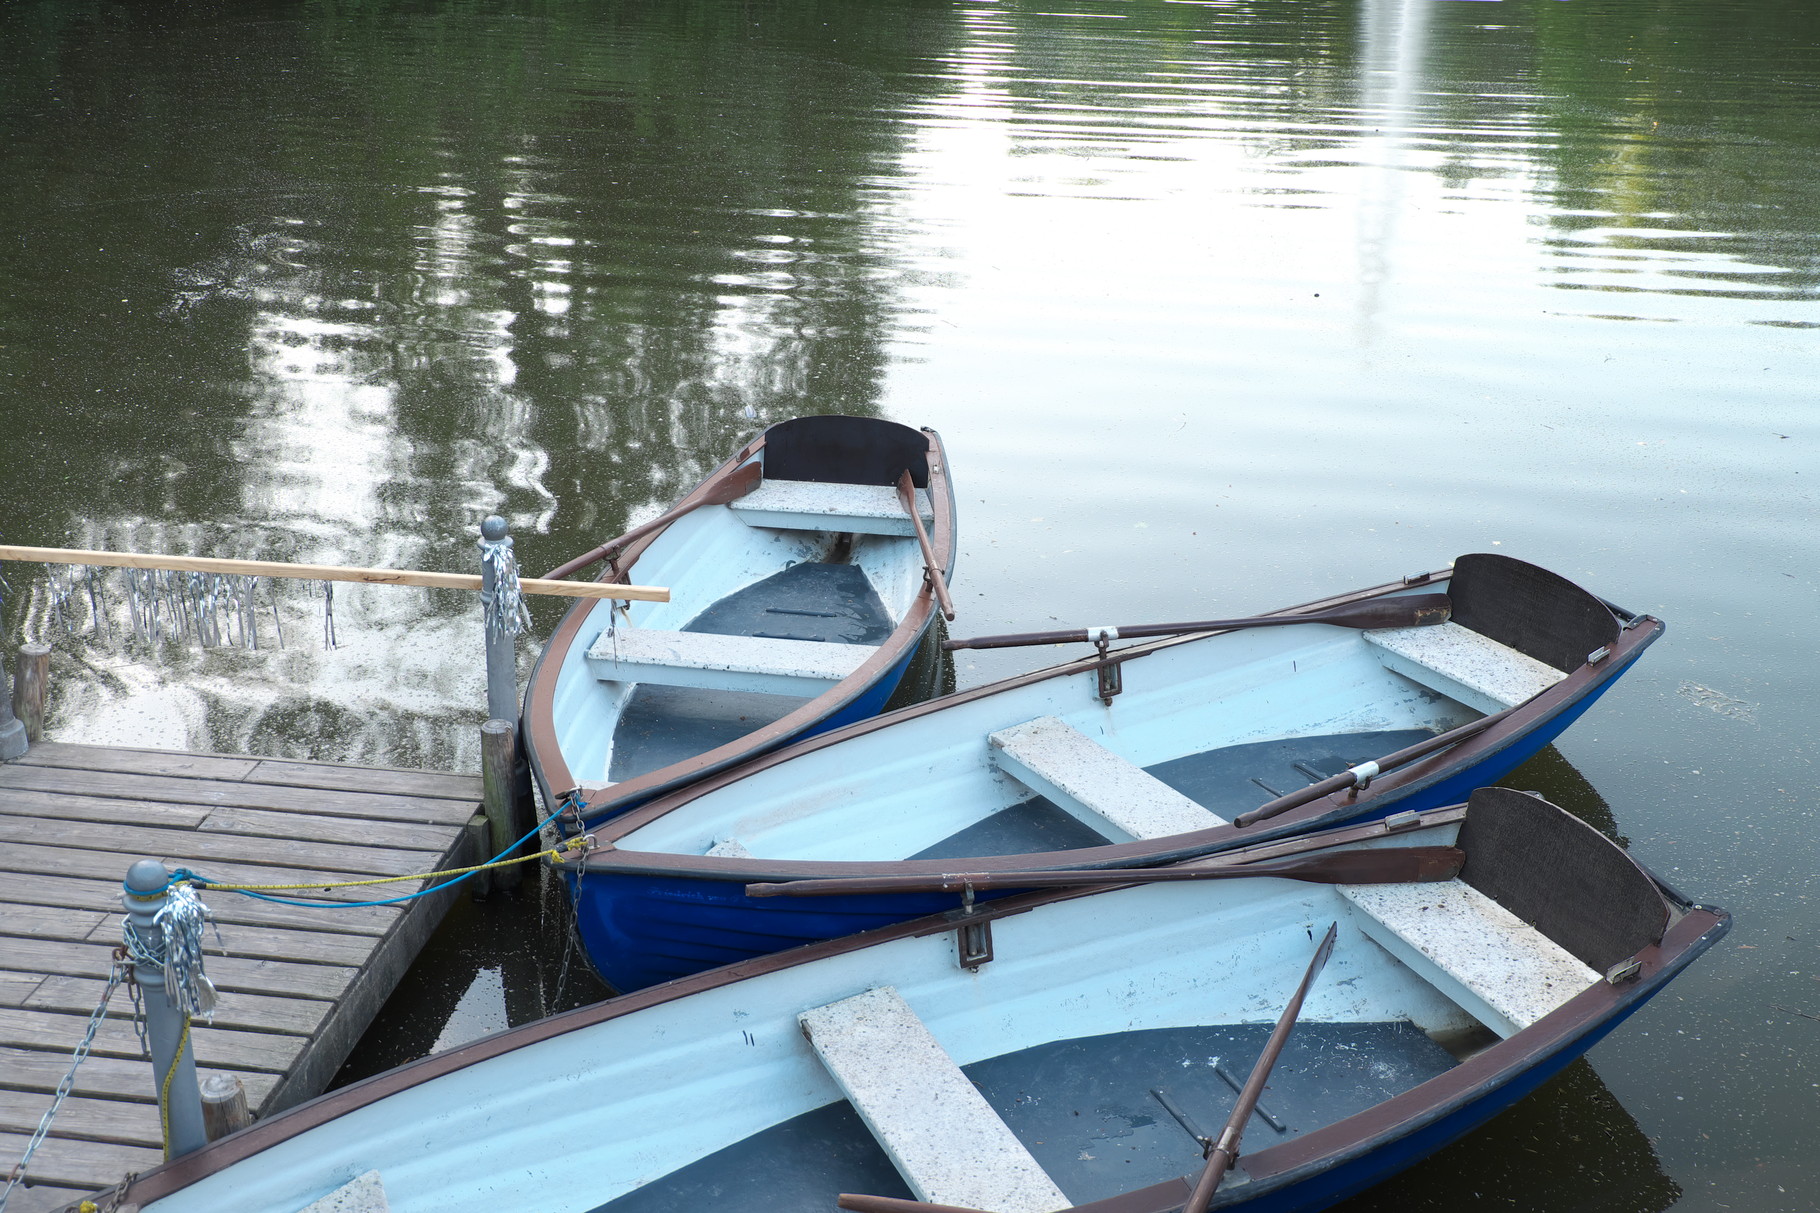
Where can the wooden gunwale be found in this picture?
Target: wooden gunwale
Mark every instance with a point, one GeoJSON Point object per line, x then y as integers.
{"type": "Point", "coordinates": [1422, 773]}
{"type": "Point", "coordinates": [539, 709]}
{"type": "Point", "coordinates": [1695, 929]}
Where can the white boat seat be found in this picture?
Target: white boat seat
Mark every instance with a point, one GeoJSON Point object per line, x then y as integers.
{"type": "Point", "coordinates": [363, 1194]}
{"type": "Point", "coordinates": [810, 505]}
{"type": "Point", "coordinates": [939, 1131]}
{"type": "Point", "coordinates": [724, 663]}
{"type": "Point", "coordinates": [1116, 797]}
{"type": "Point", "coordinates": [1461, 664]}
{"type": "Point", "coordinates": [1502, 971]}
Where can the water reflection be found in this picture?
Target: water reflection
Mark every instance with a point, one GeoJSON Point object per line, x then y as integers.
{"type": "Point", "coordinates": [562, 303]}
{"type": "Point", "coordinates": [1569, 1145]}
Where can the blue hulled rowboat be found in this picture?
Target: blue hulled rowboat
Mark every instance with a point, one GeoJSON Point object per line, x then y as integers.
{"type": "Point", "coordinates": [1049, 770]}
{"type": "Point", "coordinates": [798, 596]}
{"type": "Point", "coordinates": [1075, 1066]}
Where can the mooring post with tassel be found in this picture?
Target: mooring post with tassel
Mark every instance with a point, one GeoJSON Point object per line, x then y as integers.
{"type": "Point", "coordinates": [503, 606]}
{"type": "Point", "coordinates": [167, 1018]}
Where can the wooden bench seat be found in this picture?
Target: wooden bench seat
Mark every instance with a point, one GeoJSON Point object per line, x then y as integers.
{"type": "Point", "coordinates": [724, 663]}
{"type": "Point", "coordinates": [1502, 971]}
{"type": "Point", "coordinates": [939, 1131]}
{"type": "Point", "coordinates": [809, 505]}
{"type": "Point", "coordinates": [1084, 778]}
{"type": "Point", "coordinates": [1463, 665]}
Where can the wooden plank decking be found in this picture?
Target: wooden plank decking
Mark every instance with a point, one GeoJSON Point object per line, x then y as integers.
{"type": "Point", "coordinates": [298, 985]}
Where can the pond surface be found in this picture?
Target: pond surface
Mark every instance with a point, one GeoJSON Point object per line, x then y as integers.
{"type": "Point", "coordinates": [1219, 306]}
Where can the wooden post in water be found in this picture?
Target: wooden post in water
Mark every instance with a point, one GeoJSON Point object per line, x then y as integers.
{"type": "Point", "coordinates": [498, 753]}
{"type": "Point", "coordinates": [29, 688]}
{"type": "Point", "coordinates": [224, 1107]}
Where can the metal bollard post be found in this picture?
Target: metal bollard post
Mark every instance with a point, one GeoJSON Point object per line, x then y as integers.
{"type": "Point", "coordinates": [13, 742]}
{"type": "Point", "coordinates": [29, 686]}
{"type": "Point", "coordinates": [501, 620]}
{"type": "Point", "coordinates": [173, 1061]}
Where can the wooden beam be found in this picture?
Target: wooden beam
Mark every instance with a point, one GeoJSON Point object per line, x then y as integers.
{"type": "Point", "coordinates": [326, 572]}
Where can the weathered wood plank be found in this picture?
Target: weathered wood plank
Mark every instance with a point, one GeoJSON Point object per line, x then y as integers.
{"type": "Point", "coordinates": [232, 794]}
{"type": "Point", "coordinates": [269, 943]}
{"type": "Point", "coordinates": [69, 1162]}
{"type": "Point", "coordinates": [220, 1048]}
{"type": "Point", "coordinates": [133, 1124]}
{"type": "Point", "coordinates": [47, 922]}
{"type": "Point", "coordinates": [234, 1009]}
{"type": "Point", "coordinates": [263, 823]}
{"type": "Point", "coordinates": [465, 788]}
{"type": "Point", "coordinates": [298, 984]}
{"type": "Point", "coordinates": [37, 1198]}
{"type": "Point", "coordinates": [128, 1078]}
{"type": "Point", "coordinates": [188, 845]}
{"type": "Point", "coordinates": [15, 988]}
{"type": "Point", "coordinates": [59, 958]}
{"type": "Point", "coordinates": [19, 802]}
{"type": "Point", "coordinates": [138, 762]}
{"type": "Point", "coordinates": [104, 894]}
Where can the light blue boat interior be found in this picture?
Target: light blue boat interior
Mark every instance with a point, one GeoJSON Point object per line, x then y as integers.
{"type": "Point", "coordinates": [1104, 1033]}
{"type": "Point", "coordinates": [742, 579]}
{"type": "Point", "coordinates": [1229, 721]}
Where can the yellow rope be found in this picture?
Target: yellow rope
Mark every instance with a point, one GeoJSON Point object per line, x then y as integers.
{"type": "Point", "coordinates": [164, 1092]}
{"type": "Point", "coordinates": [574, 844]}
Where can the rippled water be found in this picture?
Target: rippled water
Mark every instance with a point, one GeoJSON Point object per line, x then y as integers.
{"type": "Point", "coordinates": [1217, 305]}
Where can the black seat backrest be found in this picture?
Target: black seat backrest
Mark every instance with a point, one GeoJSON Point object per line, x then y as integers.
{"type": "Point", "coordinates": [1530, 609]}
{"type": "Point", "coordinates": [846, 450]}
{"type": "Point", "coordinates": [1561, 876]}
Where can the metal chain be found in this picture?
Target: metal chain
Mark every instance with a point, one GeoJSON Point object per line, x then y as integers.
{"type": "Point", "coordinates": [117, 974]}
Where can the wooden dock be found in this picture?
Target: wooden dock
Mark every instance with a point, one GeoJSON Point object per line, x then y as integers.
{"type": "Point", "coordinates": [298, 985]}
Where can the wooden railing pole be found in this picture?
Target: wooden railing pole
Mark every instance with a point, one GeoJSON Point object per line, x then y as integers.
{"type": "Point", "coordinates": [30, 685]}
{"type": "Point", "coordinates": [325, 572]}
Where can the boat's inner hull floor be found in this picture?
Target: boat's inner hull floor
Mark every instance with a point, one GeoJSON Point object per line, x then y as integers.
{"type": "Point", "coordinates": [660, 725]}
{"type": "Point", "coordinates": [1227, 781]}
{"type": "Point", "coordinates": [830, 603]}
{"type": "Point", "coordinates": [833, 603]}
{"type": "Point", "coordinates": [1085, 1109]}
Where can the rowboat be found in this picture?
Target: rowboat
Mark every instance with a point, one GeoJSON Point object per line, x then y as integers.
{"type": "Point", "coordinates": [1079, 1062]}
{"type": "Point", "coordinates": [801, 582]}
{"type": "Point", "coordinates": [1143, 755]}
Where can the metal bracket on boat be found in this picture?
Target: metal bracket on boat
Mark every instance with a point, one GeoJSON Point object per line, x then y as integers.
{"type": "Point", "coordinates": [1362, 775]}
{"type": "Point", "coordinates": [1623, 971]}
{"type": "Point", "coordinates": [973, 939]}
{"type": "Point", "coordinates": [1598, 655]}
{"type": "Point", "coordinates": [1111, 673]}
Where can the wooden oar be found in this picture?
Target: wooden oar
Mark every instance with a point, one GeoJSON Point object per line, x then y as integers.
{"type": "Point", "coordinates": [861, 1203]}
{"type": "Point", "coordinates": [906, 493]}
{"type": "Point", "coordinates": [323, 572]}
{"type": "Point", "coordinates": [1387, 865]}
{"type": "Point", "coordinates": [1225, 1150]}
{"type": "Point", "coordinates": [1365, 772]}
{"type": "Point", "coordinates": [1401, 611]}
{"type": "Point", "coordinates": [731, 487]}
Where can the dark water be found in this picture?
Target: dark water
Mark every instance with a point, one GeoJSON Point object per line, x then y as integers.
{"type": "Point", "coordinates": [1218, 306]}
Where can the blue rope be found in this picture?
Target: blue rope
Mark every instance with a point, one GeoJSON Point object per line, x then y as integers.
{"type": "Point", "coordinates": [184, 875]}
